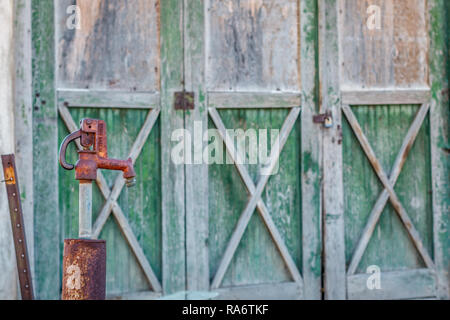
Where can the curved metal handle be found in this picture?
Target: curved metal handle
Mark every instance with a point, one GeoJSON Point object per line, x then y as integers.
{"type": "Point", "coordinates": [63, 148]}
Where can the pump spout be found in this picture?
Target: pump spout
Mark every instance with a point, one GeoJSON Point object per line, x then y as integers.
{"type": "Point", "coordinates": [123, 165]}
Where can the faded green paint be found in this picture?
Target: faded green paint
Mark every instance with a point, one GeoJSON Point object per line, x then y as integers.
{"type": "Point", "coordinates": [46, 217]}
{"type": "Point", "coordinates": [311, 168]}
{"type": "Point", "coordinates": [439, 65]}
{"type": "Point", "coordinates": [390, 246]}
{"type": "Point", "coordinates": [174, 278]}
{"type": "Point", "coordinates": [141, 204]}
{"type": "Point", "coordinates": [256, 259]}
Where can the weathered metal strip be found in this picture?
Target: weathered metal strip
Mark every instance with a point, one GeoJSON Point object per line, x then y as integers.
{"type": "Point", "coordinates": [18, 228]}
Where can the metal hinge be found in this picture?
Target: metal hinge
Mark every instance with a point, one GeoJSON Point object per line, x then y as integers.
{"type": "Point", "coordinates": [325, 118]}
{"type": "Point", "coordinates": [184, 100]}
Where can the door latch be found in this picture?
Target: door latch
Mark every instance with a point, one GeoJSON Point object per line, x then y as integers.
{"type": "Point", "coordinates": [324, 118]}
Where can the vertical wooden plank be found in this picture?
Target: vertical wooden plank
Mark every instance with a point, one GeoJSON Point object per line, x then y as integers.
{"type": "Point", "coordinates": [8, 277]}
{"type": "Point", "coordinates": [196, 122]}
{"type": "Point", "coordinates": [439, 118]}
{"type": "Point", "coordinates": [45, 150]}
{"type": "Point", "coordinates": [172, 175]}
{"type": "Point", "coordinates": [23, 120]}
{"type": "Point", "coordinates": [310, 154]}
{"type": "Point", "coordinates": [333, 202]}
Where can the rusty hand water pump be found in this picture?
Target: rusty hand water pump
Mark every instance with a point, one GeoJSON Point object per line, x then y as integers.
{"type": "Point", "coordinates": [92, 134]}
{"type": "Point", "coordinates": [84, 259]}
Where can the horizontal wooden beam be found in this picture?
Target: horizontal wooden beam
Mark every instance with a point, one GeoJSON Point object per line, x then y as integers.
{"type": "Point", "coordinates": [408, 284]}
{"type": "Point", "coordinates": [253, 100]}
{"type": "Point", "coordinates": [142, 295]}
{"type": "Point", "coordinates": [385, 97]}
{"type": "Point", "coordinates": [107, 99]}
{"type": "Point", "coordinates": [272, 291]}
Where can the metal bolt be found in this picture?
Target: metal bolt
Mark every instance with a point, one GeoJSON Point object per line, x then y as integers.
{"type": "Point", "coordinates": [20, 240]}
{"type": "Point", "coordinates": [24, 270]}
{"type": "Point", "coordinates": [14, 194]}
{"type": "Point", "coordinates": [18, 225]}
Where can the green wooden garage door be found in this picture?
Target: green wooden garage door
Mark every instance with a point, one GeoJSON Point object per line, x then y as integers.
{"type": "Point", "coordinates": [251, 64]}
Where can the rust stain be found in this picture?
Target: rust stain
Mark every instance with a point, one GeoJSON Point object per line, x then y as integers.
{"type": "Point", "coordinates": [10, 177]}
{"type": "Point", "coordinates": [411, 42]}
{"type": "Point", "coordinates": [84, 269]}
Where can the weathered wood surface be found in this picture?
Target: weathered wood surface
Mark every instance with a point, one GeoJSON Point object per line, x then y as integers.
{"type": "Point", "coordinates": [253, 45]}
{"type": "Point", "coordinates": [84, 98]}
{"type": "Point", "coordinates": [47, 228]}
{"type": "Point", "coordinates": [390, 247]}
{"type": "Point", "coordinates": [255, 200]}
{"type": "Point", "coordinates": [311, 161]}
{"type": "Point", "coordinates": [393, 197]}
{"type": "Point", "coordinates": [410, 284]}
{"type": "Point", "coordinates": [439, 11]}
{"type": "Point", "coordinates": [172, 175]}
{"type": "Point", "coordinates": [196, 184]}
{"type": "Point", "coordinates": [23, 118]}
{"type": "Point", "coordinates": [380, 204]}
{"type": "Point", "coordinates": [384, 97]}
{"type": "Point", "coordinates": [333, 202]}
{"type": "Point", "coordinates": [8, 278]}
{"type": "Point", "coordinates": [393, 55]}
{"type": "Point", "coordinates": [276, 291]}
{"type": "Point", "coordinates": [116, 47]}
{"type": "Point", "coordinates": [241, 100]}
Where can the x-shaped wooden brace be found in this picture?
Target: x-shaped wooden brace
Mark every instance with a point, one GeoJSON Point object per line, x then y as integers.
{"type": "Point", "coordinates": [255, 198]}
{"type": "Point", "coordinates": [112, 195]}
{"type": "Point", "coordinates": [388, 183]}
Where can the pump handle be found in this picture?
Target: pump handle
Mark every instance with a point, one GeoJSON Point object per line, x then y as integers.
{"type": "Point", "coordinates": [63, 148]}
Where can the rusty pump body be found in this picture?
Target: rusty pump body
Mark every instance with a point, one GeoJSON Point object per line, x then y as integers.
{"type": "Point", "coordinates": [84, 261]}
{"type": "Point", "coordinates": [92, 134]}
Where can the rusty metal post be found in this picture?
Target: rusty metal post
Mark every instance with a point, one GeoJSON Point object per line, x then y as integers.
{"type": "Point", "coordinates": [84, 265]}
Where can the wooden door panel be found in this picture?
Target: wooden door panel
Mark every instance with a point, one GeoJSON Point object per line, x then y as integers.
{"type": "Point", "coordinates": [391, 54]}
{"type": "Point", "coordinates": [115, 47]}
{"type": "Point", "coordinates": [384, 217]}
{"type": "Point", "coordinates": [253, 45]}
{"type": "Point", "coordinates": [257, 259]}
{"type": "Point", "coordinates": [253, 80]}
{"type": "Point", "coordinates": [109, 68]}
{"type": "Point", "coordinates": [390, 246]}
